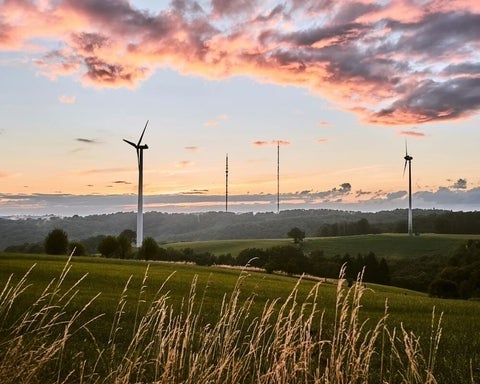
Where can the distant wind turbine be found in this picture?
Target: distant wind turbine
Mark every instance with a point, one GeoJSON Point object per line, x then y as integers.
{"type": "Point", "coordinates": [139, 149]}
{"type": "Point", "coordinates": [408, 159]}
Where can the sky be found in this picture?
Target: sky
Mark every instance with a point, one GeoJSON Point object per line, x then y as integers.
{"type": "Point", "coordinates": [340, 86]}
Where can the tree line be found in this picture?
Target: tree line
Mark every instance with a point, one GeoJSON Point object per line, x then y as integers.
{"type": "Point", "coordinates": [165, 227]}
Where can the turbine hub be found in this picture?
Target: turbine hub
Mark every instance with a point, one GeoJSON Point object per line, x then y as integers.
{"type": "Point", "coordinates": [408, 157]}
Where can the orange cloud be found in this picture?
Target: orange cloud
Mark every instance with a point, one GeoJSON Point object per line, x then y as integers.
{"type": "Point", "coordinates": [426, 73]}
{"type": "Point", "coordinates": [184, 164]}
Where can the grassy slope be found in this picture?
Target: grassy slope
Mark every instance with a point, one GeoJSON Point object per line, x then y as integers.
{"type": "Point", "coordinates": [390, 246]}
{"type": "Point", "coordinates": [412, 309]}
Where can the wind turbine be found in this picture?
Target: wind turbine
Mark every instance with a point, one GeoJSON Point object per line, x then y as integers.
{"type": "Point", "coordinates": [139, 147]}
{"type": "Point", "coordinates": [408, 159]}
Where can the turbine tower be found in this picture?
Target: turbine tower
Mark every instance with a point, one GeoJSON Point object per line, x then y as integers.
{"type": "Point", "coordinates": [139, 147]}
{"type": "Point", "coordinates": [408, 159]}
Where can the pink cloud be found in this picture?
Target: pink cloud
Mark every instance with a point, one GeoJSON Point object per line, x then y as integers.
{"type": "Point", "coordinates": [272, 143]}
{"type": "Point", "coordinates": [67, 99]}
{"type": "Point", "coordinates": [411, 133]}
{"type": "Point", "coordinates": [322, 140]}
{"type": "Point", "coordinates": [342, 51]}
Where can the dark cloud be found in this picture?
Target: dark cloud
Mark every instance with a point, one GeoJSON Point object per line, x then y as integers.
{"type": "Point", "coordinates": [102, 72]}
{"type": "Point", "coordinates": [233, 7]}
{"type": "Point", "coordinates": [121, 182]}
{"type": "Point", "coordinates": [439, 34]}
{"type": "Point", "coordinates": [86, 141]}
{"type": "Point", "coordinates": [432, 100]}
{"type": "Point", "coordinates": [195, 192]}
{"type": "Point", "coordinates": [460, 184]}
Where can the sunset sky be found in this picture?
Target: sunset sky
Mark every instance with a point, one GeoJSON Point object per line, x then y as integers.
{"type": "Point", "coordinates": [342, 85]}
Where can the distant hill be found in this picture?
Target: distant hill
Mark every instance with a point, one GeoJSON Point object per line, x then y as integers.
{"type": "Point", "coordinates": [173, 227]}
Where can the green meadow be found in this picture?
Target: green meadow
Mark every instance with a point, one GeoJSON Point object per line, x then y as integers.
{"type": "Point", "coordinates": [213, 299]}
{"type": "Point", "coordinates": [390, 246]}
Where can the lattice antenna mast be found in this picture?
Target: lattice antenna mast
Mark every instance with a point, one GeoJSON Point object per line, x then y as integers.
{"type": "Point", "coordinates": [226, 183]}
{"type": "Point", "coordinates": [278, 176]}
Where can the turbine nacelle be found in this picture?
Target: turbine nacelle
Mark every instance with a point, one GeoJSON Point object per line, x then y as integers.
{"type": "Point", "coordinates": [138, 146]}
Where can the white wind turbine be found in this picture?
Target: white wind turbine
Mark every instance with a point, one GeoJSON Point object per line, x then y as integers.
{"type": "Point", "coordinates": [139, 149]}
{"type": "Point", "coordinates": [408, 159]}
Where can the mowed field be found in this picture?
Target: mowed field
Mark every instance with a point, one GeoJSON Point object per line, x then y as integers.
{"type": "Point", "coordinates": [137, 283]}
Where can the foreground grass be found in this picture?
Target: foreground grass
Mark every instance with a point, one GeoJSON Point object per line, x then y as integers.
{"type": "Point", "coordinates": [171, 323]}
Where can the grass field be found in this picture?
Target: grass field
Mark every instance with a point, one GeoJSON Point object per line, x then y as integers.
{"type": "Point", "coordinates": [458, 350]}
{"type": "Point", "coordinates": [389, 246]}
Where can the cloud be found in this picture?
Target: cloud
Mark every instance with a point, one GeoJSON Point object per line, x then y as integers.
{"type": "Point", "coordinates": [184, 164]}
{"type": "Point", "coordinates": [323, 124]}
{"type": "Point", "coordinates": [460, 184]}
{"type": "Point", "coordinates": [64, 99]}
{"type": "Point", "coordinates": [201, 201]}
{"type": "Point", "coordinates": [411, 133]}
{"type": "Point", "coordinates": [191, 148]}
{"type": "Point", "coordinates": [389, 62]}
{"type": "Point", "coordinates": [214, 123]}
{"type": "Point", "coordinates": [211, 123]}
{"type": "Point", "coordinates": [103, 170]}
{"type": "Point", "coordinates": [322, 140]}
{"type": "Point", "coordinates": [121, 182]}
{"type": "Point", "coordinates": [273, 143]}
{"type": "Point", "coordinates": [86, 141]}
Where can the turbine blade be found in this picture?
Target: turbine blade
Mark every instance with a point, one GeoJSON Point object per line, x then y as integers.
{"type": "Point", "coordinates": [129, 142]}
{"type": "Point", "coordinates": [405, 167]}
{"type": "Point", "coordinates": [406, 149]}
{"type": "Point", "coordinates": [141, 137]}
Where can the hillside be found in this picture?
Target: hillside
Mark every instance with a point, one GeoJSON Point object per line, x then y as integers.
{"type": "Point", "coordinates": [165, 227]}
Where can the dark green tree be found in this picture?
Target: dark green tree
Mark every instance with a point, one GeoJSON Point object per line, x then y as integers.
{"type": "Point", "coordinates": [56, 242]}
{"type": "Point", "coordinates": [149, 249]}
{"type": "Point", "coordinates": [296, 234]}
{"type": "Point", "coordinates": [108, 246]}
{"type": "Point", "coordinates": [125, 240]}
{"type": "Point", "coordinates": [77, 248]}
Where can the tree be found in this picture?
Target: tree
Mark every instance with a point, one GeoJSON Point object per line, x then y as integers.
{"type": "Point", "coordinates": [108, 246]}
{"type": "Point", "coordinates": [125, 240]}
{"type": "Point", "coordinates": [56, 242]}
{"type": "Point", "coordinates": [149, 249]}
{"type": "Point", "coordinates": [296, 234]}
{"type": "Point", "coordinates": [77, 248]}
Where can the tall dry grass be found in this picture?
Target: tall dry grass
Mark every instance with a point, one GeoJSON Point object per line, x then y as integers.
{"type": "Point", "coordinates": [290, 342]}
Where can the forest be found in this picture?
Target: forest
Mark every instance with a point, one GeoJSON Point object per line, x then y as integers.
{"type": "Point", "coordinates": [167, 227]}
